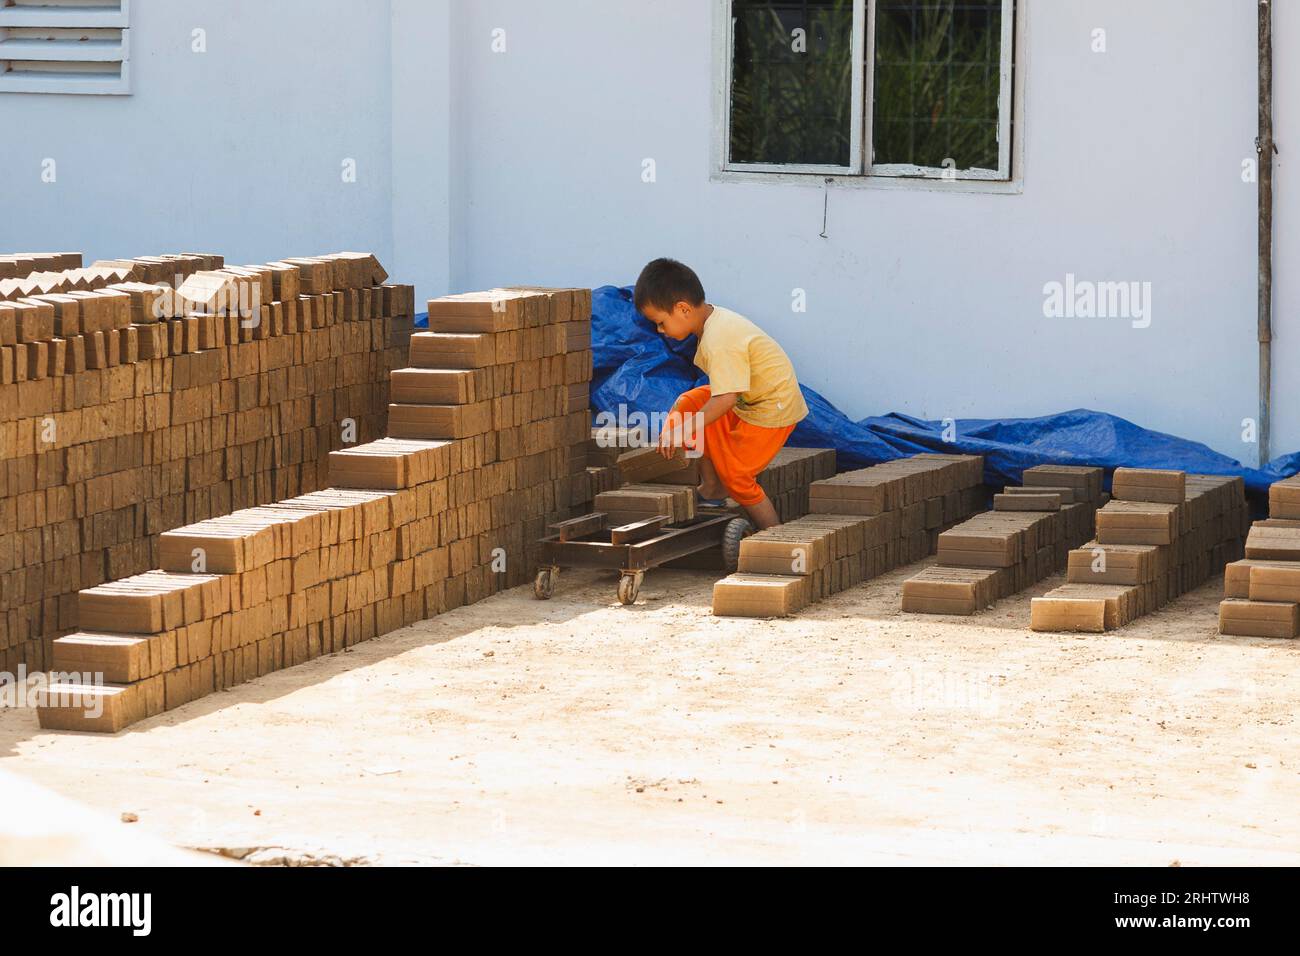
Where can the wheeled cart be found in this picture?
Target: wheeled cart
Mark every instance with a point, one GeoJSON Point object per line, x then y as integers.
{"type": "Point", "coordinates": [633, 549]}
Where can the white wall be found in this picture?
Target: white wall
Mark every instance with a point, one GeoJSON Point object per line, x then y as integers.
{"type": "Point", "coordinates": [919, 302]}
{"type": "Point", "coordinates": [237, 151]}
{"type": "Point", "coordinates": [478, 168]}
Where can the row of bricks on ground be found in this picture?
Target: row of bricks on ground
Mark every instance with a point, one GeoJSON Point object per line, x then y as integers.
{"type": "Point", "coordinates": [1147, 552]}
{"type": "Point", "coordinates": [783, 569]}
{"type": "Point", "coordinates": [305, 559]}
{"type": "Point", "coordinates": [1262, 592]}
{"type": "Point", "coordinates": [449, 537]}
{"type": "Point", "coordinates": [1026, 538]}
{"type": "Point", "coordinates": [230, 649]}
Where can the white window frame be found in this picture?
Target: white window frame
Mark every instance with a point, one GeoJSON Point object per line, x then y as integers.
{"type": "Point", "coordinates": [857, 118]}
{"type": "Point", "coordinates": [863, 170]}
{"type": "Point", "coordinates": [108, 25]}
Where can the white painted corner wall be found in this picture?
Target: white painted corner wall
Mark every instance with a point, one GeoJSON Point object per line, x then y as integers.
{"type": "Point", "coordinates": [479, 168]}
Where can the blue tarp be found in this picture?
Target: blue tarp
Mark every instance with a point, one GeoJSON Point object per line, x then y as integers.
{"type": "Point", "coordinates": [639, 371]}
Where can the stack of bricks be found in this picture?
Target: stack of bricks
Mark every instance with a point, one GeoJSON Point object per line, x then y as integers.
{"type": "Point", "coordinates": [1163, 534]}
{"type": "Point", "coordinates": [786, 480]}
{"type": "Point", "coordinates": [1262, 592]}
{"type": "Point", "coordinates": [863, 524]}
{"type": "Point", "coordinates": [123, 420]}
{"type": "Point", "coordinates": [1026, 538]}
{"type": "Point", "coordinates": [412, 526]}
{"type": "Point", "coordinates": [23, 265]}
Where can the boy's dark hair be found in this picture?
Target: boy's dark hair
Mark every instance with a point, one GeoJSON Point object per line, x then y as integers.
{"type": "Point", "coordinates": [664, 283]}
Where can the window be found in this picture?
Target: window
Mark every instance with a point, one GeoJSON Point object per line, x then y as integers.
{"type": "Point", "coordinates": [65, 46]}
{"type": "Point", "coordinates": [896, 88]}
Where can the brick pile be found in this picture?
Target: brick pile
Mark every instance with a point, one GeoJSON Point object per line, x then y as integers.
{"type": "Point", "coordinates": [1262, 592]}
{"type": "Point", "coordinates": [411, 527]}
{"type": "Point", "coordinates": [1163, 534]}
{"type": "Point", "coordinates": [1026, 538]}
{"type": "Point", "coordinates": [862, 524]}
{"type": "Point", "coordinates": [121, 420]}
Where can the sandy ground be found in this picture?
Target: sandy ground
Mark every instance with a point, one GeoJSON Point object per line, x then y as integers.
{"type": "Point", "coordinates": [579, 731]}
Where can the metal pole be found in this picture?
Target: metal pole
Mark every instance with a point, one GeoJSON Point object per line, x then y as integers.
{"type": "Point", "coordinates": [1265, 148]}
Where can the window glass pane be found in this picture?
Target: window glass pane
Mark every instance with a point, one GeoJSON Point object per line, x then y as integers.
{"type": "Point", "coordinates": [936, 82]}
{"type": "Point", "coordinates": [792, 81]}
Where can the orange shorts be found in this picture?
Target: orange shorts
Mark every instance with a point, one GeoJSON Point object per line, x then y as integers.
{"type": "Point", "coordinates": [738, 450]}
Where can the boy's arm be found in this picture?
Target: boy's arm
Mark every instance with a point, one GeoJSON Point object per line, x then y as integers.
{"type": "Point", "coordinates": [674, 436]}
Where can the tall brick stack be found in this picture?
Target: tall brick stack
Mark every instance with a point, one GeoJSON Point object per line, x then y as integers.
{"type": "Point", "coordinates": [1163, 534]}
{"type": "Point", "coordinates": [862, 524]}
{"type": "Point", "coordinates": [411, 527]}
{"type": "Point", "coordinates": [1027, 537]}
{"type": "Point", "coordinates": [130, 410]}
{"type": "Point", "coordinates": [1262, 592]}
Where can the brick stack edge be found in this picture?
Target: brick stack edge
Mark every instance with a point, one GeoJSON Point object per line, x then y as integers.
{"type": "Point", "coordinates": [119, 421]}
{"type": "Point", "coordinates": [493, 450]}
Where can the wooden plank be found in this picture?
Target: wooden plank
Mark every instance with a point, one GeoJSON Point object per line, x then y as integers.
{"type": "Point", "coordinates": [638, 530]}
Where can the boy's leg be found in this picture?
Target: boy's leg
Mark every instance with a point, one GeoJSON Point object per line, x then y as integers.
{"type": "Point", "coordinates": [763, 515]}
{"type": "Point", "coordinates": [690, 403]}
{"type": "Point", "coordinates": [739, 452]}
{"type": "Point", "coordinates": [711, 487]}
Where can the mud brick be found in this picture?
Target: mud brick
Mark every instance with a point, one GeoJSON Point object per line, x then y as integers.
{"type": "Point", "coordinates": [785, 551]}
{"type": "Point", "coordinates": [683, 498]}
{"type": "Point", "coordinates": [1097, 563]}
{"type": "Point", "coordinates": [760, 595]}
{"type": "Point", "coordinates": [431, 422]}
{"type": "Point", "coordinates": [646, 464]}
{"type": "Point", "coordinates": [1283, 498]}
{"type": "Point", "coordinates": [985, 549]}
{"type": "Point", "coordinates": [1138, 522]}
{"type": "Point", "coordinates": [1259, 619]}
{"type": "Point", "coordinates": [1275, 582]}
{"type": "Point", "coordinates": [118, 658]}
{"type": "Point", "coordinates": [1085, 481]}
{"type": "Point", "coordinates": [1270, 542]}
{"type": "Point", "coordinates": [1147, 484]}
{"type": "Point", "coordinates": [628, 507]}
{"type": "Point", "coordinates": [1065, 493]}
{"type": "Point", "coordinates": [1027, 502]}
{"type": "Point", "coordinates": [316, 277]}
{"type": "Point", "coordinates": [496, 310]}
{"type": "Point", "coordinates": [427, 386]}
{"type": "Point", "coordinates": [1092, 608]}
{"type": "Point", "coordinates": [447, 351]}
{"type": "Point", "coordinates": [26, 321]}
{"type": "Point", "coordinates": [942, 590]}
{"type": "Point", "coordinates": [1236, 576]}
{"type": "Point", "coordinates": [98, 708]}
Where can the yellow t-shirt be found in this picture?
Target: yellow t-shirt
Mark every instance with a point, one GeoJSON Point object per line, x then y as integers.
{"type": "Point", "coordinates": [738, 356]}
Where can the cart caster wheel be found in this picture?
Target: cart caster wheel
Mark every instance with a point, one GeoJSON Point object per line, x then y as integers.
{"type": "Point", "coordinates": [737, 530]}
{"type": "Point", "coordinates": [629, 587]}
{"type": "Point", "coordinates": [544, 584]}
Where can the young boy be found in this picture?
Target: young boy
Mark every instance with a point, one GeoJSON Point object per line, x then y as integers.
{"type": "Point", "coordinates": [752, 402]}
